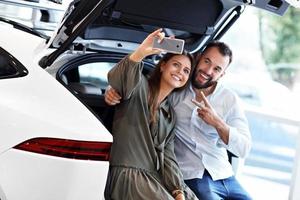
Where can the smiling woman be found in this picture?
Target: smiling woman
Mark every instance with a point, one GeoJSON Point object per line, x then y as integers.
{"type": "Point", "coordinates": [142, 154]}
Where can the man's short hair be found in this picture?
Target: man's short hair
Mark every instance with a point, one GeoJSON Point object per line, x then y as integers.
{"type": "Point", "coordinates": [222, 47]}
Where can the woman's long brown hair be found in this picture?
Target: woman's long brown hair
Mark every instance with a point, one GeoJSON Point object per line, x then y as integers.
{"type": "Point", "coordinates": [154, 82]}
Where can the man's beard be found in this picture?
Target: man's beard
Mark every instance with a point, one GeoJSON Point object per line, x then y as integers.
{"type": "Point", "coordinates": [198, 85]}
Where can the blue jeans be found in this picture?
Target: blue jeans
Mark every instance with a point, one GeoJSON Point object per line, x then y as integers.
{"type": "Point", "coordinates": [207, 189]}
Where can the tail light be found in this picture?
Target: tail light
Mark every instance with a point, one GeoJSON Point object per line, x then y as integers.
{"type": "Point", "coordinates": [83, 150]}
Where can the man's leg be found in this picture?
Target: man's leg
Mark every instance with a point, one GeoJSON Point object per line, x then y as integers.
{"type": "Point", "coordinates": [235, 190]}
{"type": "Point", "coordinates": [206, 188]}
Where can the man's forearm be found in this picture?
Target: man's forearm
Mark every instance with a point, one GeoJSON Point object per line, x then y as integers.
{"type": "Point", "coordinates": [223, 130]}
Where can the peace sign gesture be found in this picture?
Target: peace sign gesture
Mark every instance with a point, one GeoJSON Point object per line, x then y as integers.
{"type": "Point", "coordinates": [205, 110]}
{"type": "Point", "coordinates": [207, 113]}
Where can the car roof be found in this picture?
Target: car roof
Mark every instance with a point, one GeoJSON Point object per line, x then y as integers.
{"type": "Point", "coordinates": [92, 23]}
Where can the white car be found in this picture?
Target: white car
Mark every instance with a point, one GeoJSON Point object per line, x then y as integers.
{"type": "Point", "coordinates": [52, 146]}
{"type": "Point", "coordinates": [55, 138]}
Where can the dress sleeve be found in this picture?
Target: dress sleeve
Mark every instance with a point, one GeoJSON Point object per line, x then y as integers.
{"type": "Point", "coordinates": [172, 177]}
{"type": "Point", "coordinates": [125, 76]}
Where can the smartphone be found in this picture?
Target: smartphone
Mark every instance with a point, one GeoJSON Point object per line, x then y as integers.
{"type": "Point", "coordinates": [171, 45]}
{"type": "Point", "coordinates": [197, 103]}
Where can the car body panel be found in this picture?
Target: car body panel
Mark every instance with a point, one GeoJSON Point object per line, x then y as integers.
{"type": "Point", "coordinates": [38, 106]}
{"type": "Point", "coordinates": [51, 115]}
{"type": "Point", "coordinates": [50, 177]}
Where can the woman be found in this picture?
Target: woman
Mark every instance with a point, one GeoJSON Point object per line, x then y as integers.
{"type": "Point", "coordinates": [142, 162]}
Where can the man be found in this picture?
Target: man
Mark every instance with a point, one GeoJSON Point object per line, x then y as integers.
{"type": "Point", "coordinates": [205, 132]}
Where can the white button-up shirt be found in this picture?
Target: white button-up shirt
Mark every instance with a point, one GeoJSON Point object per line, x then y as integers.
{"type": "Point", "coordinates": [198, 145]}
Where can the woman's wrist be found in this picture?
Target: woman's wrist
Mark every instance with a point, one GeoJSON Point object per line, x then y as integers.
{"type": "Point", "coordinates": [178, 194]}
{"type": "Point", "coordinates": [180, 197]}
{"type": "Point", "coordinates": [136, 56]}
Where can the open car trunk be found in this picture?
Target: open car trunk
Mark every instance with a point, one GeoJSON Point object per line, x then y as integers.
{"type": "Point", "coordinates": [119, 25]}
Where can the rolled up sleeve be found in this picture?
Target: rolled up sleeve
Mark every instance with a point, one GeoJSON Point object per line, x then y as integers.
{"type": "Point", "coordinates": [239, 134]}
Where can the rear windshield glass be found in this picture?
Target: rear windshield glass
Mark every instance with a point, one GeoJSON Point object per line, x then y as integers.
{"type": "Point", "coordinates": [6, 68]}
{"type": "Point", "coordinates": [10, 67]}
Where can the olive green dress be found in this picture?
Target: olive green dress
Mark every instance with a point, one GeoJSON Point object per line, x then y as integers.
{"type": "Point", "coordinates": [142, 162]}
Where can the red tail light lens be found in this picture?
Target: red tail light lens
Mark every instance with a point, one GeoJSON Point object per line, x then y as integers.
{"type": "Point", "coordinates": [83, 150]}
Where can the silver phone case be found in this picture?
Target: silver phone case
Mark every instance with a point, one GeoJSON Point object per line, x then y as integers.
{"type": "Point", "coordinates": [169, 45]}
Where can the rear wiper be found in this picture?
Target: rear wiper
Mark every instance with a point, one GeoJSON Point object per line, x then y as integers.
{"type": "Point", "coordinates": [22, 27]}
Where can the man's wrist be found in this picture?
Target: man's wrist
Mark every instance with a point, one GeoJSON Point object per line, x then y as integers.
{"type": "Point", "coordinates": [223, 131]}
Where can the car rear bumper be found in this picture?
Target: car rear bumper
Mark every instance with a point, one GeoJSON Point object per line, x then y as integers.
{"type": "Point", "coordinates": [25, 175]}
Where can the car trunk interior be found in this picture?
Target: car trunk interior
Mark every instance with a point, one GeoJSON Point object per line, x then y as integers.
{"type": "Point", "coordinates": [133, 20]}
{"type": "Point", "coordinates": [90, 90]}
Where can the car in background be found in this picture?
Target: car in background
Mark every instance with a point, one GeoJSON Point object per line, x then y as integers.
{"type": "Point", "coordinates": [40, 15]}
{"type": "Point", "coordinates": [55, 137]}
